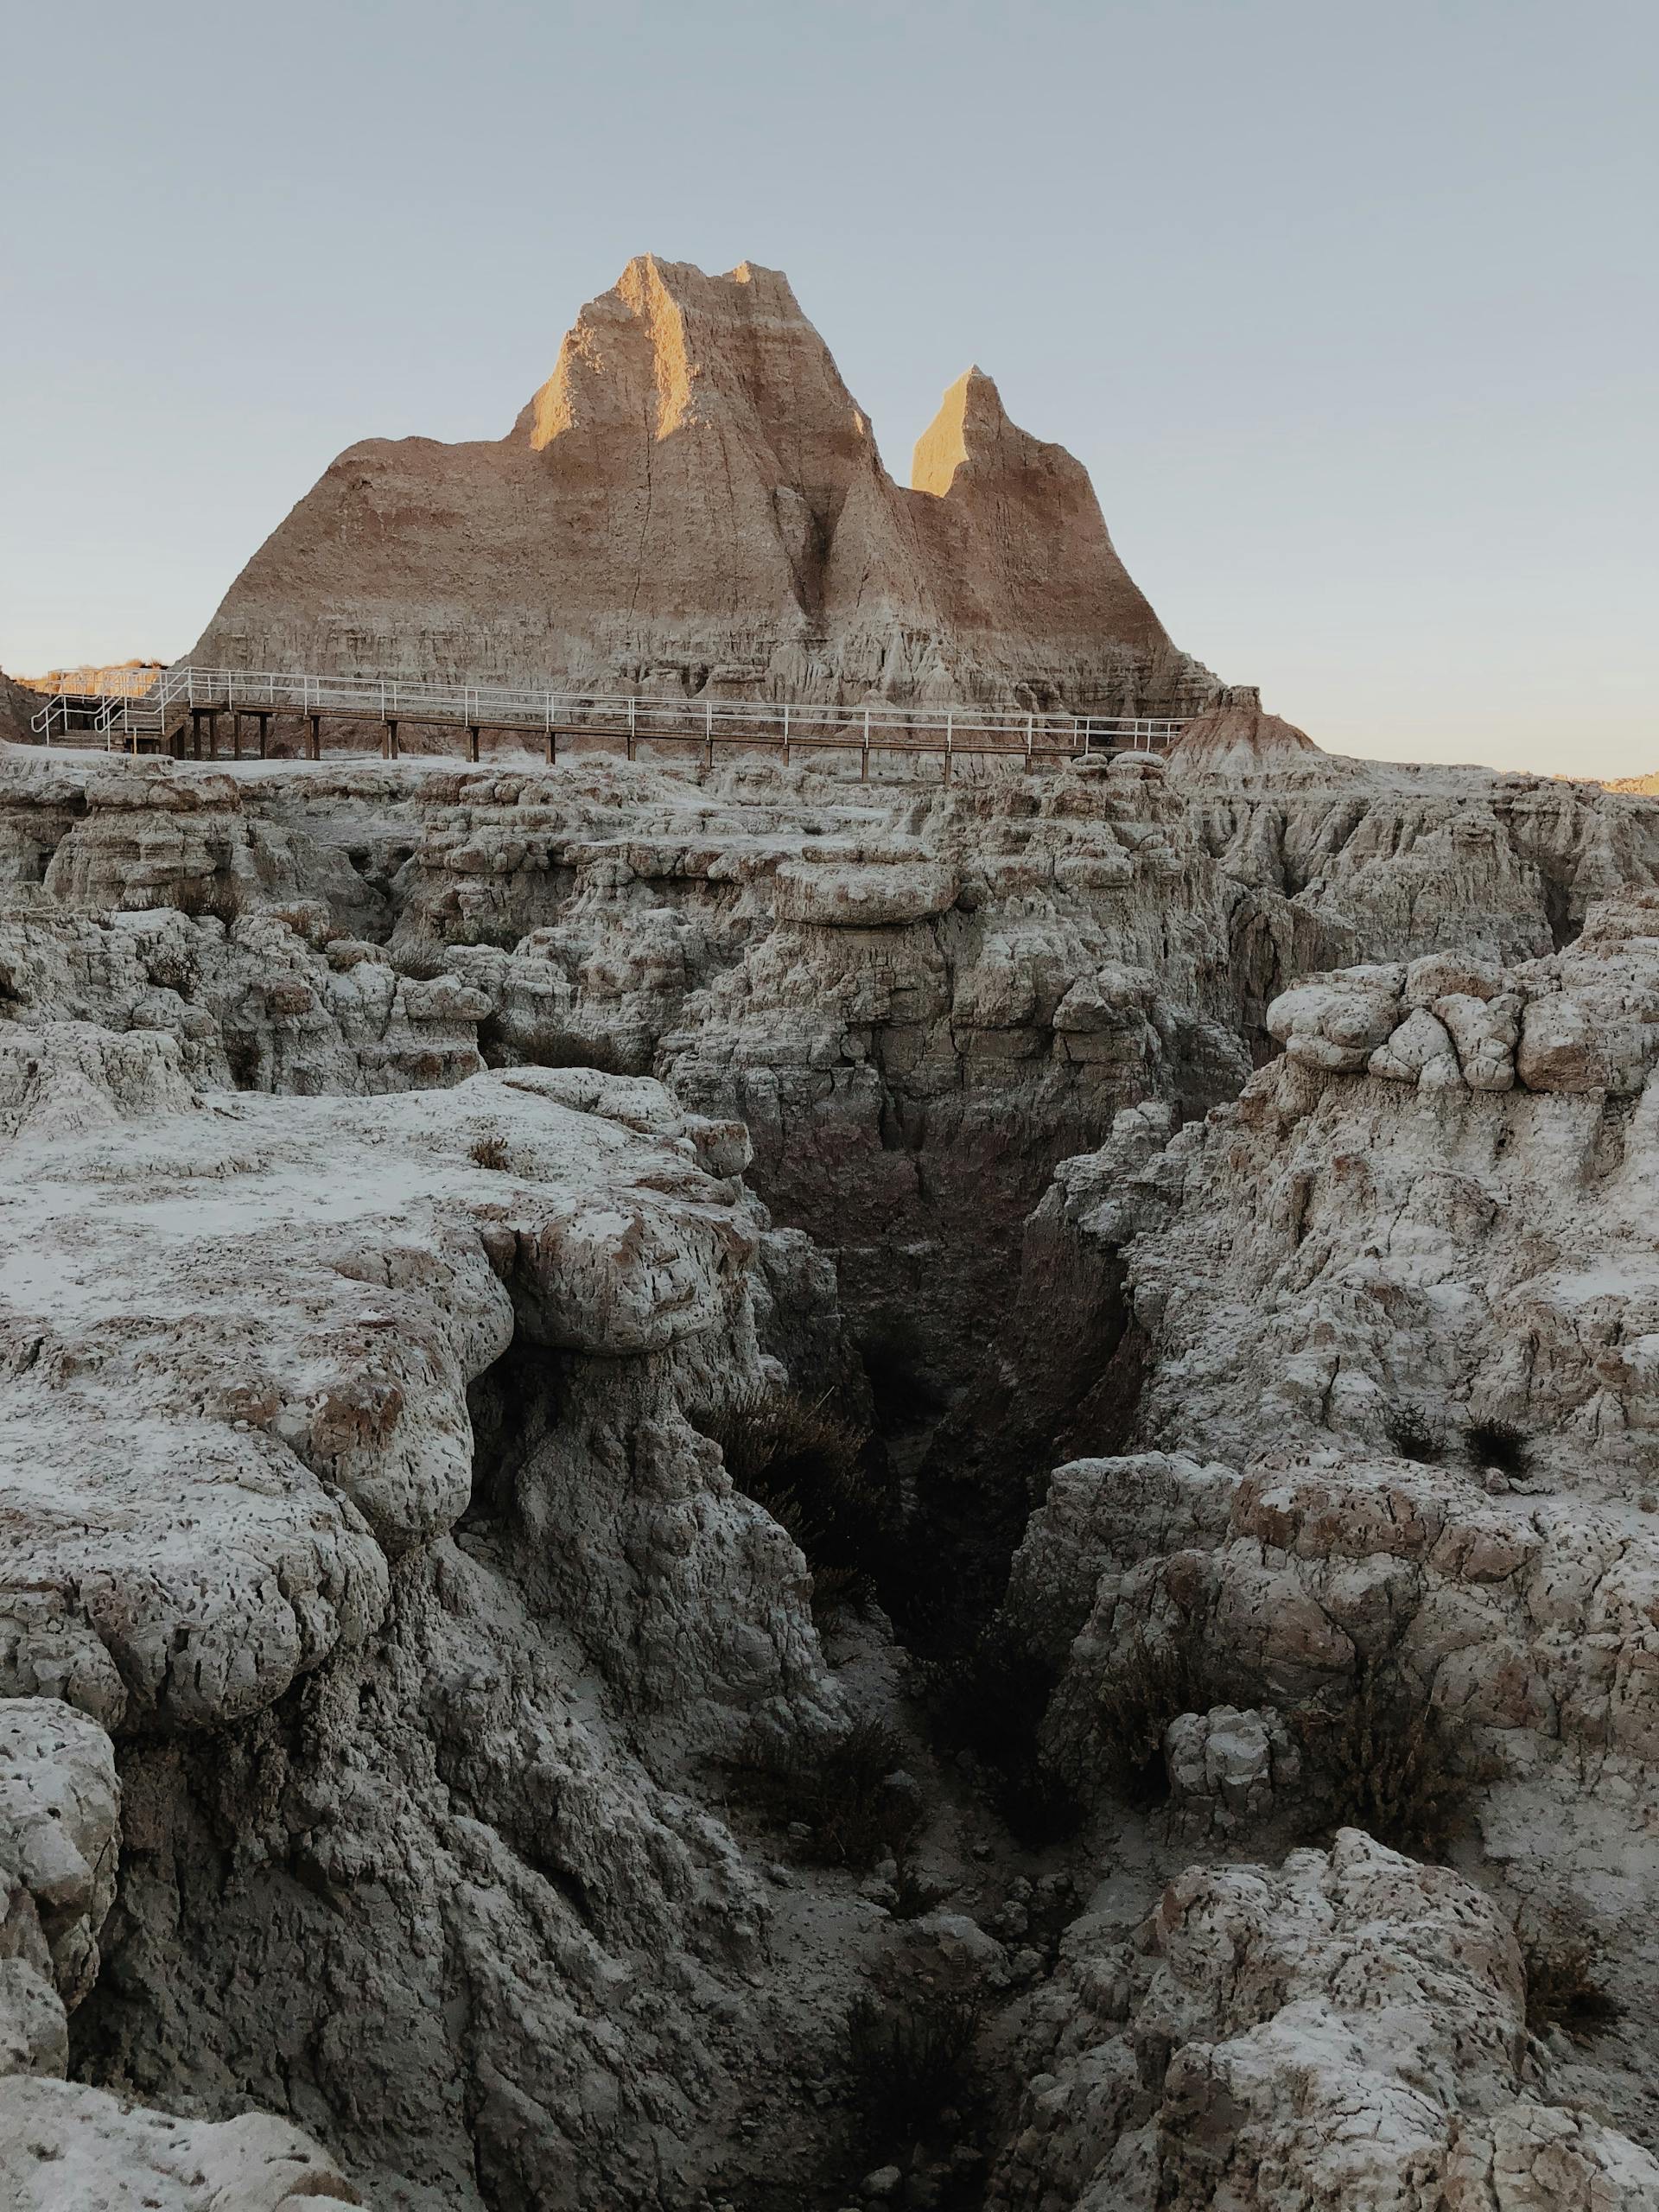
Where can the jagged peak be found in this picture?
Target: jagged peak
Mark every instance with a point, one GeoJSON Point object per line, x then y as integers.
{"type": "Point", "coordinates": [971, 420]}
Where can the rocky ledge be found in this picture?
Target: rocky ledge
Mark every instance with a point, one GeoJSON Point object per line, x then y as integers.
{"type": "Point", "coordinates": [742, 1491]}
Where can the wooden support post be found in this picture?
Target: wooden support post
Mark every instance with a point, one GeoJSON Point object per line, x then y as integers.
{"type": "Point", "coordinates": [472, 740]}
{"type": "Point", "coordinates": [551, 750]}
{"type": "Point", "coordinates": [314, 744]}
{"type": "Point", "coordinates": [236, 733]}
{"type": "Point", "coordinates": [864, 758]}
{"type": "Point", "coordinates": [262, 717]}
{"type": "Point", "coordinates": [389, 740]}
{"type": "Point", "coordinates": [785, 733]}
{"type": "Point", "coordinates": [212, 732]}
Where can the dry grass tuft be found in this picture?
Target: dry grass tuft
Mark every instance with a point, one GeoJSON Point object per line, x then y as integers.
{"type": "Point", "coordinates": [990, 1698]}
{"type": "Point", "coordinates": [1153, 1682]}
{"type": "Point", "coordinates": [809, 1470]}
{"type": "Point", "coordinates": [1497, 1444]}
{"type": "Point", "coordinates": [1387, 1764]}
{"type": "Point", "coordinates": [847, 1791]}
{"type": "Point", "coordinates": [911, 2063]}
{"type": "Point", "coordinates": [1564, 1990]}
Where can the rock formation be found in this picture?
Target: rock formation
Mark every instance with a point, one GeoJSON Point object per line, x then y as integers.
{"type": "Point", "coordinates": [693, 503]}
{"type": "Point", "coordinates": [1345, 2029]}
{"type": "Point", "coordinates": [15, 708]}
{"type": "Point", "coordinates": [430, 1754]}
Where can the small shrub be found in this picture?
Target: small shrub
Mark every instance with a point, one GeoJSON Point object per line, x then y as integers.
{"type": "Point", "coordinates": [1414, 1438]}
{"type": "Point", "coordinates": [1153, 1683]}
{"type": "Point", "coordinates": [911, 2063]}
{"type": "Point", "coordinates": [1387, 1765]}
{"type": "Point", "coordinates": [809, 1470]}
{"type": "Point", "coordinates": [491, 1150]}
{"type": "Point", "coordinates": [1564, 1990]}
{"type": "Point", "coordinates": [842, 1788]}
{"type": "Point", "coordinates": [1497, 1444]}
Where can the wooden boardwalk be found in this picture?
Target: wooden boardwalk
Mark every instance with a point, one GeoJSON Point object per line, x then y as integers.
{"type": "Point", "coordinates": [208, 714]}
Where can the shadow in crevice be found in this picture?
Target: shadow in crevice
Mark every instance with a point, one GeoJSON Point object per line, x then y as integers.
{"type": "Point", "coordinates": [513, 1406]}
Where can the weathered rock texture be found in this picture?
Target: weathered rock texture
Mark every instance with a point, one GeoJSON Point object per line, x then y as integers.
{"type": "Point", "coordinates": [1400, 1302]}
{"type": "Point", "coordinates": [15, 708]}
{"type": "Point", "coordinates": [1344, 2033]}
{"type": "Point", "coordinates": [693, 503]}
{"type": "Point", "coordinates": [379, 1152]}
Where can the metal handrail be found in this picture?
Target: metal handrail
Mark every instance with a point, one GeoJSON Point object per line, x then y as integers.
{"type": "Point", "coordinates": [500, 705]}
{"type": "Point", "coordinates": [636, 715]}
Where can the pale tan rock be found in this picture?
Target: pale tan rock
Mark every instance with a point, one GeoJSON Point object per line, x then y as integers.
{"type": "Point", "coordinates": [63, 2145]}
{"type": "Point", "coordinates": [17, 706]}
{"type": "Point", "coordinates": [1419, 1051]}
{"type": "Point", "coordinates": [1235, 738]}
{"type": "Point", "coordinates": [1560, 1047]}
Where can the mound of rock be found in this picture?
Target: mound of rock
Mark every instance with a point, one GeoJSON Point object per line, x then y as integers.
{"type": "Point", "coordinates": [1346, 2030]}
{"type": "Point", "coordinates": [1237, 739]}
{"type": "Point", "coordinates": [380, 1253]}
{"type": "Point", "coordinates": [693, 504]}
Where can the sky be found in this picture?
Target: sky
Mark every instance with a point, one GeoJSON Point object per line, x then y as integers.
{"type": "Point", "coordinates": [1349, 309]}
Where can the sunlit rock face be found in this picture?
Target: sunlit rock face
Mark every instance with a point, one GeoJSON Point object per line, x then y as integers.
{"type": "Point", "coordinates": [694, 503]}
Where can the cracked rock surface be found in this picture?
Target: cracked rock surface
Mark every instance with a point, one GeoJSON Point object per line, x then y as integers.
{"type": "Point", "coordinates": [1226, 1192]}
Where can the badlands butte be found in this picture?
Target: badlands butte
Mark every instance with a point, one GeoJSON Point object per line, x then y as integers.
{"type": "Point", "coordinates": [730, 1491]}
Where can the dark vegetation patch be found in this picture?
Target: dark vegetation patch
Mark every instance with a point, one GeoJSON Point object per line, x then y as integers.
{"type": "Point", "coordinates": [491, 1150]}
{"type": "Point", "coordinates": [848, 1796]}
{"type": "Point", "coordinates": [815, 1475]}
{"type": "Point", "coordinates": [1385, 1762]}
{"type": "Point", "coordinates": [418, 964]}
{"type": "Point", "coordinates": [1565, 1990]}
{"type": "Point", "coordinates": [1416, 1438]}
{"type": "Point", "coordinates": [1497, 1444]}
{"type": "Point", "coordinates": [988, 1697]}
{"type": "Point", "coordinates": [1154, 1681]}
{"type": "Point", "coordinates": [912, 2067]}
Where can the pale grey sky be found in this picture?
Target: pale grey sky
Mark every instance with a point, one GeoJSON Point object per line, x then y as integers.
{"type": "Point", "coordinates": [1349, 307]}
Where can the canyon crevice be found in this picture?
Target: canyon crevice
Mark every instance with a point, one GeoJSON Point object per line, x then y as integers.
{"type": "Point", "coordinates": [1199, 1212]}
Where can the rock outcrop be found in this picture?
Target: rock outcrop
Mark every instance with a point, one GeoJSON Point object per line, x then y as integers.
{"type": "Point", "coordinates": [1343, 2033]}
{"type": "Point", "coordinates": [391, 1163]}
{"type": "Point", "coordinates": [17, 706]}
{"type": "Point", "coordinates": [694, 503]}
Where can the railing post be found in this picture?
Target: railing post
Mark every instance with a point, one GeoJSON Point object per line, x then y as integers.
{"type": "Point", "coordinates": [864, 756]}
{"type": "Point", "coordinates": [786, 733]}
{"type": "Point", "coordinates": [707, 732]}
{"type": "Point", "coordinates": [631, 702]}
